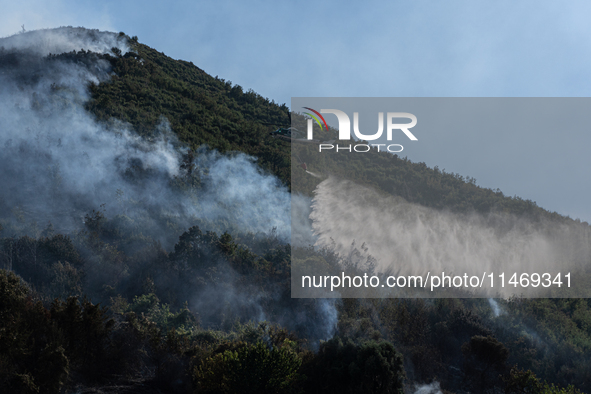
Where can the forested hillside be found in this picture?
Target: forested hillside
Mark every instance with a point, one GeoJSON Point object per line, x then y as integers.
{"type": "Point", "coordinates": [209, 110]}
{"type": "Point", "coordinates": [135, 260]}
{"type": "Point", "coordinates": [201, 109]}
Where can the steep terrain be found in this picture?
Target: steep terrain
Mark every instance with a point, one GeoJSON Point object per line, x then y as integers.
{"type": "Point", "coordinates": [109, 196]}
{"type": "Point", "coordinates": [202, 109]}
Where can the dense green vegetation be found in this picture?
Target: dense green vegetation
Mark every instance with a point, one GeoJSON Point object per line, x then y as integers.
{"type": "Point", "coordinates": [201, 109]}
{"type": "Point", "coordinates": [210, 347]}
{"type": "Point", "coordinates": [108, 306]}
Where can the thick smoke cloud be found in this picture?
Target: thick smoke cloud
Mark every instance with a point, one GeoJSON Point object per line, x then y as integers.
{"type": "Point", "coordinates": [407, 238]}
{"type": "Point", "coordinates": [59, 164]}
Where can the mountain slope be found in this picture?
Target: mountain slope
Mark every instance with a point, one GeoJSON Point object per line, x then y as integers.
{"type": "Point", "coordinates": [201, 109]}
{"type": "Point", "coordinates": [187, 314]}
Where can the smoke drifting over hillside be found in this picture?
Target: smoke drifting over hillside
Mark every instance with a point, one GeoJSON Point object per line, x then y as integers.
{"type": "Point", "coordinates": [407, 238]}
{"type": "Point", "coordinates": [59, 164]}
{"type": "Point", "coordinates": [65, 39]}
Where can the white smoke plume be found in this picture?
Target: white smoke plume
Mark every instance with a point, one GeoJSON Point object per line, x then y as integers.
{"type": "Point", "coordinates": [496, 308]}
{"type": "Point", "coordinates": [328, 310]}
{"type": "Point", "coordinates": [407, 238]}
{"type": "Point", "coordinates": [59, 164]}
{"type": "Point", "coordinates": [432, 388]}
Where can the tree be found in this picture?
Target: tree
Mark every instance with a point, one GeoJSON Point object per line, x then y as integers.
{"type": "Point", "coordinates": [485, 359]}
{"type": "Point", "coordinates": [526, 382]}
{"type": "Point", "coordinates": [346, 367]}
{"type": "Point", "coordinates": [253, 369]}
{"type": "Point", "coordinates": [86, 328]}
{"type": "Point", "coordinates": [32, 356]}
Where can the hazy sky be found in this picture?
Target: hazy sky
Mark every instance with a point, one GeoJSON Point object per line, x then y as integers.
{"type": "Point", "coordinates": [379, 49]}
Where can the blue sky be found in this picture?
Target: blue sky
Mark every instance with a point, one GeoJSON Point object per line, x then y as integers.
{"type": "Point", "coordinates": [376, 49]}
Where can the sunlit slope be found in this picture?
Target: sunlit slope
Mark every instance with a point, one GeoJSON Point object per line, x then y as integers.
{"type": "Point", "coordinates": [201, 109]}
